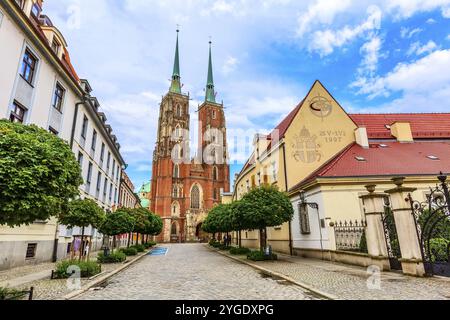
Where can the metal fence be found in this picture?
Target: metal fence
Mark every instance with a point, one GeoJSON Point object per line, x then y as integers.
{"type": "Point", "coordinates": [350, 236]}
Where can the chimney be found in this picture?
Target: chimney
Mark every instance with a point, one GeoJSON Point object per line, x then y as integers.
{"type": "Point", "coordinates": [402, 131]}
{"type": "Point", "coordinates": [361, 137]}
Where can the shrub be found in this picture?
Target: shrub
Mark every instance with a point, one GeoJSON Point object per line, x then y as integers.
{"type": "Point", "coordinates": [66, 268]}
{"type": "Point", "coordinates": [260, 256]}
{"type": "Point", "coordinates": [139, 247]}
{"type": "Point", "coordinates": [224, 247]}
{"type": "Point", "coordinates": [129, 251]}
{"type": "Point", "coordinates": [11, 294]}
{"type": "Point", "coordinates": [240, 251]}
{"type": "Point", "coordinates": [439, 248]}
{"type": "Point", "coordinates": [212, 242]}
{"type": "Point", "coordinates": [149, 244]}
{"type": "Point", "coordinates": [115, 257]}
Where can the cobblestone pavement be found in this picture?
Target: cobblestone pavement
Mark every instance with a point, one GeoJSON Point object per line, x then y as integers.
{"type": "Point", "coordinates": [193, 272]}
{"type": "Point", "coordinates": [350, 282]}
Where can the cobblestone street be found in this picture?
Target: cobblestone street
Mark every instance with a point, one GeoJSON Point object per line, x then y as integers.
{"type": "Point", "coordinates": [193, 272]}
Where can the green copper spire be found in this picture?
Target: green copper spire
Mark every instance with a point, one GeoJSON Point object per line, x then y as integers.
{"type": "Point", "coordinates": [176, 85]}
{"type": "Point", "coordinates": [210, 94]}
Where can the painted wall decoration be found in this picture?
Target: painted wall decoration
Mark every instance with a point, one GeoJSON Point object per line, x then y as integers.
{"type": "Point", "coordinates": [306, 148]}
{"type": "Point", "coordinates": [320, 107]}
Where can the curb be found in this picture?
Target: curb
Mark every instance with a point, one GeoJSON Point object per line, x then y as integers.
{"type": "Point", "coordinates": [102, 279]}
{"type": "Point", "coordinates": [318, 292]}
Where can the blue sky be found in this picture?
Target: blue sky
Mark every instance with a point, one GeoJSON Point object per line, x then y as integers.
{"type": "Point", "coordinates": [374, 56]}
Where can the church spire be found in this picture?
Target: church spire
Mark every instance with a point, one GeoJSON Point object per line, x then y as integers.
{"type": "Point", "coordinates": [175, 87]}
{"type": "Point", "coordinates": [210, 94]}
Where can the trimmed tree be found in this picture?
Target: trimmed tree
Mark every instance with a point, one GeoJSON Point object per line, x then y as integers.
{"type": "Point", "coordinates": [39, 174]}
{"type": "Point", "coordinates": [265, 207]}
{"type": "Point", "coordinates": [142, 222]}
{"type": "Point", "coordinates": [82, 213]}
{"type": "Point", "coordinates": [156, 224]}
{"type": "Point", "coordinates": [117, 223]}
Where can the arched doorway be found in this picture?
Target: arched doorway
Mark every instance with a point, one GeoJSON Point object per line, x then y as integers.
{"type": "Point", "coordinates": [201, 235]}
{"type": "Point", "coordinates": [174, 235]}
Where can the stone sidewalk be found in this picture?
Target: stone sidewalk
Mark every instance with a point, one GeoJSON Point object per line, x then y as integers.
{"type": "Point", "coordinates": [354, 283]}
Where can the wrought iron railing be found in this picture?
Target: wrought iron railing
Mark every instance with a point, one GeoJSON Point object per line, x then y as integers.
{"type": "Point", "coordinates": [350, 236]}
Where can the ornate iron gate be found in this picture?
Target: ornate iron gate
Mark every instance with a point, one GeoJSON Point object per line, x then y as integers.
{"type": "Point", "coordinates": [390, 235]}
{"type": "Point", "coordinates": [432, 219]}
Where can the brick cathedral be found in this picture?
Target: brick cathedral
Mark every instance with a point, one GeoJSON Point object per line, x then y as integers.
{"type": "Point", "coordinates": [184, 189]}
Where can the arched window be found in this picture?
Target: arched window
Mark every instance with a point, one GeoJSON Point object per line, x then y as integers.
{"type": "Point", "coordinates": [195, 197]}
{"type": "Point", "coordinates": [178, 111]}
{"type": "Point", "coordinates": [215, 194]}
{"type": "Point", "coordinates": [215, 174]}
{"type": "Point", "coordinates": [176, 171]}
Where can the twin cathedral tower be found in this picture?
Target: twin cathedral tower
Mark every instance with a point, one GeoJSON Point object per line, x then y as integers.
{"type": "Point", "coordinates": [183, 190]}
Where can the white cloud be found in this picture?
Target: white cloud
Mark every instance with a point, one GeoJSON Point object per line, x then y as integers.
{"type": "Point", "coordinates": [402, 9]}
{"type": "Point", "coordinates": [446, 12]}
{"type": "Point", "coordinates": [418, 49]}
{"type": "Point", "coordinates": [408, 33]}
{"type": "Point", "coordinates": [371, 52]}
{"type": "Point", "coordinates": [431, 21]}
{"type": "Point", "coordinates": [230, 65]}
{"type": "Point", "coordinates": [423, 76]}
{"type": "Point", "coordinates": [321, 12]}
{"type": "Point", "coordinates": [325, 41]}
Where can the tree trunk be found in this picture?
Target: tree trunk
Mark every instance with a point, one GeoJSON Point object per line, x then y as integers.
{"type": "Point", "coordinates": [240, 239]}
{"type": "Point", "coordinates": [82, 244]}
{"type": "Point", "coordinates": [114, 243]}
{"type": "Point", "coordinates": [129, 239]}
{"type": "Point", "coordinates": [262, 239]}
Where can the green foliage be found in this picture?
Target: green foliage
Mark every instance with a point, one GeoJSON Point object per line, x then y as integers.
{"type": "Point", "coordinates": [223, 247]}
{"type": "Point", "coordinates": [139, 247]}
{"type": "Point", "coordinates": [265, 207]}
{"type": "Point", "coordinates": [82, 213]}
{"type": "Point", "coordinates": [87, 268]}
{"type": "Point", "coordinates": [115, 257]}
{"type": "Point", "coordinates": [156, 224]}
{"type": "Point", "coordinates": [12, 294]}
{"type": "Point", "coordinates": [149, 244]}
{"type": "Point", "coordinates": [439, 249]}
{"type": "Point", "coordinates": [118, 222]}
{"type": "Point", "coordinates": [212, 242]}
{"type": "Point", "coordinates": [38, 174]}
{"type": "Point", "coordinates": [260, 256]}
{"type": "Point", "coordinates": [240, 251]}
{"type": "Point", "coordinates": [363, 243]}
{"type": "Point", "coordinates": [129, 251]}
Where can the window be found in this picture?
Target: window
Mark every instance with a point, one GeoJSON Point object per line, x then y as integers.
{"type": "Point", "coordinates": [102, 153]}
{"type": "Point", "coordinates": [215, 174]}
{"type": "Point", "coordinates": [89, 174]}
{"type": "Point", "coordinates": [176, 171]}
{"type": "Point", "coordinates": [259, 178]}
{"type": "Point", "coordinates": [115, 194]}
{"type": "Point", "coordinates": [214, 114]}
{"type": "Point", "coordinates": [195, 197]}
{"type": "Point", "coordinates": [36, 10]}
{"type": "Point", "coordinates": [21, 3]}
{"type": "Point", "coordinates": [28, 67]}
{"type": "Point", "coordinates": [80, 159]}
{"type": "Point", "coordinates": [94, 140]}
{"type": "Point", "coordinates": [55, 46]}
{"type": "Point", "coordinates": [18, 113]}
{"type": "Point", "coordinates": [117, 173]}
{"type": "Point", "coordinates": [99, 181]}
{"type": "Point", "coordinates": [31, 251]}
{"type": "Point", "coordinates": [178, 111]}
{"type": "Point", "coordinates": [105, 188]}
{"type": "Point", "coordinates": [1, 18]}
{"type": "Point", "coordinates": [274, 172]}
{"type": "Point", "coordinates": [108, 161]}
{"type": "Point", "coordinates": [304, 218]}
{"type": "Point", "coordinates": [58, 97]}
{"type": "Point", "coordinates": [215, 194]}
{"type": "Point", "coordinates": [110, 191]}
{"type": "Point", "coordinates": [84, 127]}
{"type": "Point", "coordinates": [114, 168]}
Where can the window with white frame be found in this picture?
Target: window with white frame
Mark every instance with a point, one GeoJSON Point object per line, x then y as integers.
{"type": "Point", "coordinates": [28, 67]}
{"type": "Point", "coordinates": [58, 97]}
{"type": "Point", "coordinates": [18, 113]}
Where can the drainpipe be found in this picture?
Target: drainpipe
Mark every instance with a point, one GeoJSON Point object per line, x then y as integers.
{"type": "Point", "coordinates": [72, 136]}
{"type": "Point", "coordinates": [286, 187]}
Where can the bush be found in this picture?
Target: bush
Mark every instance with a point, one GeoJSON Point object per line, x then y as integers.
{"type": "Point", "coordinates": [65, 269]}
{"type": "Point", "coordinates": [11, 294]}
{"type": "Point", "coordinates": [212, 242]}
{"type": "Point", "coordinates": [115, 257]}
{"type": "Point", "coordinates": [260, 256]}
{"type": "Point", "coordinates": [139, 247]}
{"type": "Point", "coordinates": [439, 248]}
{"type": "Point", "coordinates": [240, 251]}
{"type": "Point", "coordinates": [129, 251]}
{"type": "Point", "coordinates": [150, 244]}
{"type": "Point", "coordinates": [224, 247]}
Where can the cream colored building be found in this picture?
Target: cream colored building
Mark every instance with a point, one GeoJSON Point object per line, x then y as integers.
{"type": "Point", "coordinates": [39, 85]}
{"type": "Point", "coordinates": [325, 157]}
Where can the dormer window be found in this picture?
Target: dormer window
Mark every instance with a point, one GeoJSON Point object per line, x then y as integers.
{"type": "Point", "coordinates": [431, 157]}
{"type": "Point", "coordinates": [36, 10]}
{"type": "Point", "coordinates": [360, 159]}
{"type": "Point", "coordinates": [21, 3]}
{"type": "Point", "coordinates": [55, 46]}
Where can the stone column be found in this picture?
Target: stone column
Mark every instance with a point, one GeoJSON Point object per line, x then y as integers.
{"type": "Point", "coordinates": [376, 241]}
{"type": "Point", "coordinates": [405, 225]}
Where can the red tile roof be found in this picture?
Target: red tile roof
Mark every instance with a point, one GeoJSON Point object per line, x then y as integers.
{"type": "Point", "coordinates": [394, 159]}
{"type": "Point", "coordinates": [423, 125]}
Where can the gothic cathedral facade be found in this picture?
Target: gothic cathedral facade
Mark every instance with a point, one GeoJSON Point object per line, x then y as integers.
{"type": "Point", "coordinates": [184, 189]}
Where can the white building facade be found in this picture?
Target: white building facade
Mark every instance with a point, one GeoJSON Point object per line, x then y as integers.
{"type": "Point", "coordinates": [38, 85]}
